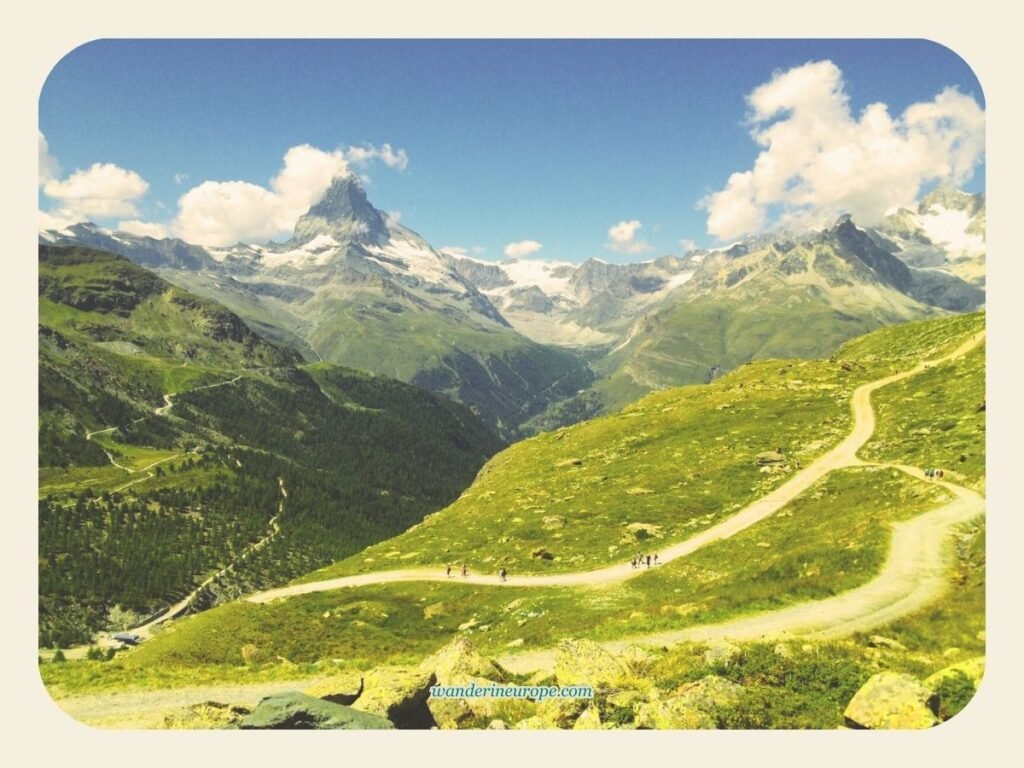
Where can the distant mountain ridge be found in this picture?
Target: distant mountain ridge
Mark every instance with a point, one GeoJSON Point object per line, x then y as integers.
{"type": "Point", "coordinates": [531, 344]}
{"type": "Point", "coordinates": [354, 287]}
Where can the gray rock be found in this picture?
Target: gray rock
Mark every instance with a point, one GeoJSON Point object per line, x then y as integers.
{"type": "Point", "coordinates": [892, 700]}
{"type": "Point", "coordinates": [300, 711]}
{"type": "Point", "coordinates": [400, 694]}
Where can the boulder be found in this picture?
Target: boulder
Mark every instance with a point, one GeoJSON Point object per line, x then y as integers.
{"type": "Point", "coordinates": [459, 659]}
{"type": "Point", "coordinates": [497, 725]}
{"type": "Point", "coordinates": [671, 715]}
{"type": "Point", "coordinates": [533, 724]}
{"type": "Point", "coordinates": [400, 694]}
{"type": "Point", "coordinates": [892, 700]}
{"type": "Point", "coordinates": [584, 662]}
{"type": "Point", "coordinates": [720, 652]}
{"type": "Point", "coordinates": [339, 689]}
{"type": "Point", "coordinates": [878, 641]}
{"type": "Point", "coordinates": [590, 720]}
{"type": "Point", "coordinates": [553, 522]}
{"type": "Point", "coordinates": [450, 713]}
{"type": "Point", "coordinates": [299, 711]}
{"type": "Point", "coordinates": [770, 457]}
{"type": "Point", "coordinates": [542, 553]}
{"type": "Point", "coordinates": [561, 713]}
{"type": "Point", "coordinates": [210, 715]}
{"type": "Point", "coordinates": [708, 693]}
{"type": "Point", "coordinates": [974, 669]}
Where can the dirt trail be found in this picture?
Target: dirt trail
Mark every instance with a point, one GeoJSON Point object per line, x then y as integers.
{"type": "Point", "coordinates": [913, 575]}
{"type": "Point", "coordinates": [843, 455]}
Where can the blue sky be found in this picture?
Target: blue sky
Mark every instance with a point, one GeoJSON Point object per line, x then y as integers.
{"type": "Point", "coordinates": [551, 142]}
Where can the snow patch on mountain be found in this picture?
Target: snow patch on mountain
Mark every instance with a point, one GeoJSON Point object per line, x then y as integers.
{"type": "Point", "coordinates": [949, 228]}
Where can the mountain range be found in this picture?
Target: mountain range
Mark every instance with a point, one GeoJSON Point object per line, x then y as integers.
{"type": "Point", "coordinates": [531, 344]}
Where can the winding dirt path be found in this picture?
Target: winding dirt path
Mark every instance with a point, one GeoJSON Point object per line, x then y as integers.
{"type": "Point", "coordinates": [843, 455]}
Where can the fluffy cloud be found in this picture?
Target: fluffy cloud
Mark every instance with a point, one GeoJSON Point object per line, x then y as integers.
{"type": "Point", "coordinates": [180, 178]}
{"type": "Point", "coordinates": [362, 156]}
{"type": "Point", "coordinates": [687, 245]}
{"type": "Point", "coordinates": [623, 238]}
{"type": "Point", "coordinates": [56, 220]}
{"type": "Point", "coordinates": [818, 159]}
{"type": "Point", "coordinates": [226, 212]}
{"type": "Point", "coordinates": [522, 248]}
{"type": "Point", "coordinates": [102, 190]}
{"type": "Point", "coordinates": [48, 166]}
{"type": "Point", "coordinates": [143, 229]}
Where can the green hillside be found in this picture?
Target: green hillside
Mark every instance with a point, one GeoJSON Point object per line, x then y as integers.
{"type": "Point", "coordinates": [141, 512]}
{"type": "Point", "coordinates": [666, 467]}
{"type": "Point", "coordinates": [831, 539]}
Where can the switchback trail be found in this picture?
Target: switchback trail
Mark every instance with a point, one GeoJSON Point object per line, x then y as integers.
{"type": "Point", "coordinates": [842, 455]}
{"type": "Point", "coordinates": [144, 630]}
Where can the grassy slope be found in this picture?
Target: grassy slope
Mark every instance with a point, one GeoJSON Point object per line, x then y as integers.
{"type": "Point", "coordinates": [682, 460]}
{"type": "Point", "coordinates": [831, 539]}
{"type": "Point", "coordinates": [365, 457]}
{"type": "Point", "coordinates": [936, 419]}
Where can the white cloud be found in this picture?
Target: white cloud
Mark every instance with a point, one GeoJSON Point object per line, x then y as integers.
{"type": "Point", "coordinates": [48, 166]}
{"type": "Point", "coordinates": [522, 248]}
{"type": "Point", "coordinates": [362, 156]}
{"type": "Point", "coordinates": [100, 191]}
{"type": "Point", "coordinates": [57, 220]}
{"type": "Point", "coordinates": [687, 245]}
{"type": "Point", "coordinates": [393, 217]}
{"type": "Point", "coordinates": [180, 178]}
{"type": "Point", "coordinates": [623, 238]}
{"type": "Point", "coordinates": [143, 229]}
{"type": "Point", "coordinates": [226, 212]}
{"type": "Point", "coordinates": [819, 160]}
{"type": "Point", "coordinates": [455, 250]}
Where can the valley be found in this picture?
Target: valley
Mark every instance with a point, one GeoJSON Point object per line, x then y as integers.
{"type": "Point", "coordinates": [810, 559]}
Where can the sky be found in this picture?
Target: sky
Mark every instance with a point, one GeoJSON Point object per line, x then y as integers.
{"type": "Point", "coordinates": [624, 150]}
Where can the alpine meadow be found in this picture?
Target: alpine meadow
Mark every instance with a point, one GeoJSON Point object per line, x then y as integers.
{"type": "Point", "coordinates": [442, 392]}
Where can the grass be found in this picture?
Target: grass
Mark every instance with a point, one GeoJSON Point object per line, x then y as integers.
{"type": "Point", "coordinates": [935, 419]}
{"type": "Point", "coordinates": [675, 462]}
{"type": "Point", "coordinates": [833, 539]}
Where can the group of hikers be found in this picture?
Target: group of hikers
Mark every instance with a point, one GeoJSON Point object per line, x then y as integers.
{"type": "Point", "coordinates": [933, 473]}
{"type": "Point", "coordinates": [502, 573]}
{"type": "Point", "coordinates": [640, 560]}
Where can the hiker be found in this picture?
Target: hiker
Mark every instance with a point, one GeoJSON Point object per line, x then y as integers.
{"type": "Point", "coordinates": [938, 473]}
{"type": "Point", "coordinates": [633, 562]}
{"type": "Point", "coordinates": [465, 570]}
{"type": "Point", "coordinates": [655, 559]}
{"type": "Point", "coordinates": [448, 570]}
{"type": "Point", "coordinates": [501, 574]}
{"type": "Point", "coordinates": [648, 561]}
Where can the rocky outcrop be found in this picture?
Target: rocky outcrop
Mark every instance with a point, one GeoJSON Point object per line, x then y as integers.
{"type": "Point", "coordinates": [584, 662]}
{"type": "Point", "coordinates": [303, 712]}
{"type": "Point", "coordinates": [339, 689]}
{"type": "Point", "coordinates": [400, 694]}
{"type": "Point", "coordinates": [691, 706]}
{"type": "Point", "coordinates": [460, 659]}
{"type": "Point", "coordinates": [892, 700]}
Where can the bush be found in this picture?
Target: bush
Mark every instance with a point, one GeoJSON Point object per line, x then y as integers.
{"type": "Point", "coordinates": [954, 692]}
{"type": "Point", "coordinates": [58, 656]}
